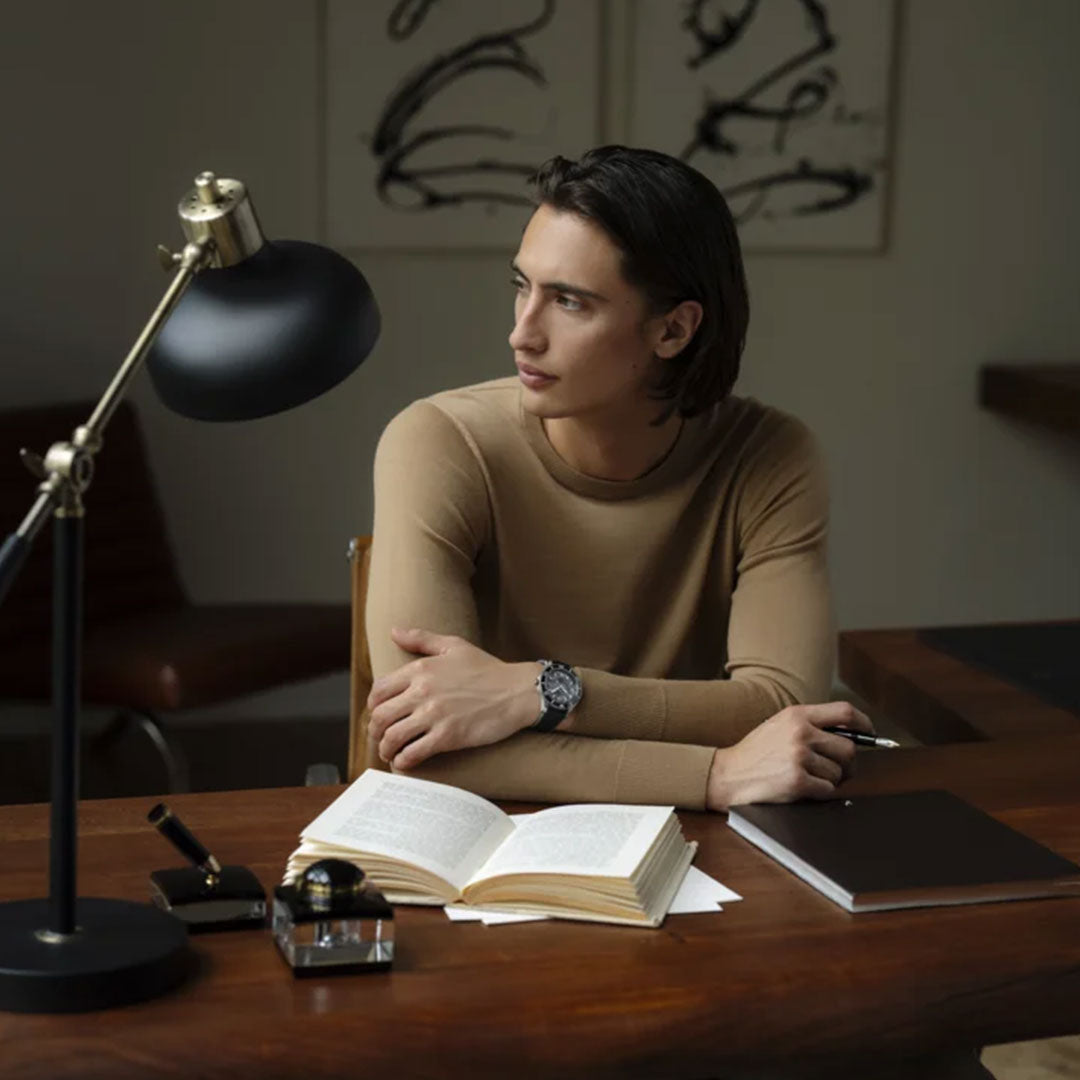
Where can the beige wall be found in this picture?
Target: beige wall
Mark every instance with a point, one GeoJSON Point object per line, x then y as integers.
{"type": "Point", "coordinates": [942, 512]}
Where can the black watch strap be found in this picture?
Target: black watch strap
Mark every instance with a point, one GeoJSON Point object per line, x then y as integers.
{"type": "Point", "coordinates": [550, 718]}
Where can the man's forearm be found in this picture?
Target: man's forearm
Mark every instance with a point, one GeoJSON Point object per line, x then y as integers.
{"type": "Point", "coordinates": [704, 712]}
{"type": "Point", "coordinates": [567, 769]}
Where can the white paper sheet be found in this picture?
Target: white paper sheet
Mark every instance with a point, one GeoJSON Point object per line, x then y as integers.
{"type": "Point", "coordinates": [699, 892]}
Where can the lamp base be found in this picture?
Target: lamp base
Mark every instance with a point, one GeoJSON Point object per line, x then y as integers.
{"type": "Point", "coordinates": [120, 953]}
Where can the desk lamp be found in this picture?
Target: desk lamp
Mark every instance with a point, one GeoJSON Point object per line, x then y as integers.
{"type": "Point", "coordinates": [246, 328]}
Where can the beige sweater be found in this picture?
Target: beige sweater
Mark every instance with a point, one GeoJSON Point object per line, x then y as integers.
{"type": "Point", "coordinates": [693, 601]}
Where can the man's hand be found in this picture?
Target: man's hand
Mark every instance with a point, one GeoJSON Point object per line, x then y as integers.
{"type": "Point", "coordinates": [455, 696]}
{"type": "Point", "coordinates": [787, 757]}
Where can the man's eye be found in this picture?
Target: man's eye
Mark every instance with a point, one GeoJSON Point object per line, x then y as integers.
{"type": "Point", "coordinates": [570, 303]}
{"type": "Point", "coordinates": [517, 283]}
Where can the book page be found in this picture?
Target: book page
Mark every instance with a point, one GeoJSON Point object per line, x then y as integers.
{"type": "Point", "coordinates": [602, 839]}
{"type": "Point", "coordinates": [434, 826]}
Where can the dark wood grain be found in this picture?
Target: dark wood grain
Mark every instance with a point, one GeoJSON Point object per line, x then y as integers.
{"type": "Point", "coordinates": [784, 979]}
{"type": "Point", "coordinates": [938, 698]}
{"type": "Point", "coordinates": [1047, 394]}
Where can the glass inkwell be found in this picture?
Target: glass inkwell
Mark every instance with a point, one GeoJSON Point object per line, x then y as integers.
{"type": "Point", "coordinates": [332, 920]}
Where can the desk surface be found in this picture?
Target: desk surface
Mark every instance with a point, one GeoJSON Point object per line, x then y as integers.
{"type": "Point", "coordinates": [939, 698]}
{"type": "Point", "coordinates": [784, 976]}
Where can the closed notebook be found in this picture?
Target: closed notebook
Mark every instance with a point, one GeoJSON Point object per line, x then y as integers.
{"type": "Point", "coordinates": [916, 849]}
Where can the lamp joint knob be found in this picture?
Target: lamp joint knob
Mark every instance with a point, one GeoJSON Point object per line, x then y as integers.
{"type": "Point", "coordinates": [34, 463]}
{"type": "Point", "coordinates": [168, 259]}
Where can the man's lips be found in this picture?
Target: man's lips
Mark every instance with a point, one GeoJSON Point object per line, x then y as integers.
{"type": "Point", "coordinates": [533, 373]}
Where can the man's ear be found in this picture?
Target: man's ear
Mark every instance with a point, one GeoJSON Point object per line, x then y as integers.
{"type": "Point", "coordinates": [677, 328]}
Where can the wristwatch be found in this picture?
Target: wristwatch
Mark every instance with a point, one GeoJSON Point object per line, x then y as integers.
{"type": "Point", "coordinates": [560, 690]}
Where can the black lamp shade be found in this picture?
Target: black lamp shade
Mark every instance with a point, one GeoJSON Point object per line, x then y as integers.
{"type": "Point", "coordinates": [274, 331]}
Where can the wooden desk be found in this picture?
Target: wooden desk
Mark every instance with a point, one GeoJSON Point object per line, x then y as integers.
{"type": "Point", "coordinates": [938, 698]}
{"type": "Point", "coordinates": [782, 978]}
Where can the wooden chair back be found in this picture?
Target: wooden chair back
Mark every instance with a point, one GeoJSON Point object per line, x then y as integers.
{"type": "Point", "coordinates": [360, 676]}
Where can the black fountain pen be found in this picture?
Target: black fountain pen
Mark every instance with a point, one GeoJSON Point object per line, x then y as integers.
{"type": "Point", "coordinates": [186, 842]}
{"type": "Point", "coordinates": [860, 738]}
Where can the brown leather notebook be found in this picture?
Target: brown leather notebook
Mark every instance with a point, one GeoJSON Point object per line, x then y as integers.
{"type": "Point", "coordinates": [916, 849]}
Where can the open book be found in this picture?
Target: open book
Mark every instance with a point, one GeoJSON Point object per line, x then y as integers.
{"type": "Point", "coordinates": [427, 843]}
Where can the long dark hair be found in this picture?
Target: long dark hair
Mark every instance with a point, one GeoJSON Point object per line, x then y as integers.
{"type": "Point", "coordinates": [678, 242]}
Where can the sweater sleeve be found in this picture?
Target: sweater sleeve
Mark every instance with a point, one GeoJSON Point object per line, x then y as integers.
{"type": "Point", "coordinates": [780, 641]}
{"type": "Point", "coordinates": [432, 518]}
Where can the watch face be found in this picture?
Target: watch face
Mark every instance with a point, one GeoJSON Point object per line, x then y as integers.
{"type": "Point", "coordinates": [561, 687]}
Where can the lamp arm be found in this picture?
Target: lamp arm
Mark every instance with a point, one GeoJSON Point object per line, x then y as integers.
{"type": "Point", "coordinates": [67, 468]}
{"type": "Point", "coordinates": [17, 545]}
{"type": "Point", "coordinates": [190, 261]}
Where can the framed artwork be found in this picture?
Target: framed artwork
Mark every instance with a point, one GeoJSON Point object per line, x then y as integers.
{"type": "Point", "coordinates": [438, 111]}
{"type": "Point", "coordinates": [783, 104]}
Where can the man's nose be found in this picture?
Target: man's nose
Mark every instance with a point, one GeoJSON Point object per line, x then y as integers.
{"type": "Point", "coordinates": [528, 334]}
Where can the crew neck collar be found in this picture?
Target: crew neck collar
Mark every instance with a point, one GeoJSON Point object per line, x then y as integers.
{"type": "Point", "coordinates": [675, 464]}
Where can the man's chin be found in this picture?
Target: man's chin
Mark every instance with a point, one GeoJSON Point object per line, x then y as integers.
{"type": "Point", "coordinates": [543, 407]}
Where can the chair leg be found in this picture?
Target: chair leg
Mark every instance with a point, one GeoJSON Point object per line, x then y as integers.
{"type": "Point", "coordinates": [322, 773]}
{"type": "Point", "coordinates": [176, 764]}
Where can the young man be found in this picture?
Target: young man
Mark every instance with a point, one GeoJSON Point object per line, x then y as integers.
{"type": "Point", "coordinates": [615, 509]}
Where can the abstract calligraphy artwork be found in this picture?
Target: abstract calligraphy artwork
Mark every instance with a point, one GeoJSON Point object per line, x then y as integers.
{"type": "Point", "coordinates": [784, 104]}
{"type": "Point", "coordinates": [438, 111]}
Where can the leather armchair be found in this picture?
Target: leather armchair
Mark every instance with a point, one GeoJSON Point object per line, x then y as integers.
{"type": "Point", "coordinates": [148, 649]}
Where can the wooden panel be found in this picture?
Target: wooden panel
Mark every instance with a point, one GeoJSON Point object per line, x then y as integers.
{"type": "Point", "coordinates": [938, 698]}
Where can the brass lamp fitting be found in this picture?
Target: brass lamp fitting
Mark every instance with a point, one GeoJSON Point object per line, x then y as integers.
{"type": "Point", "coordinates": [218, 210]}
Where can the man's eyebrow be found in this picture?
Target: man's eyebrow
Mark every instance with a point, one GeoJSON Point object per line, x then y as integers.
{"type": "Point", "coordinates": [560, 286]}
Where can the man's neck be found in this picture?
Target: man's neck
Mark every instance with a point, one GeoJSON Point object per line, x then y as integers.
{"type": "Point", "coordinates": [612, 451]}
